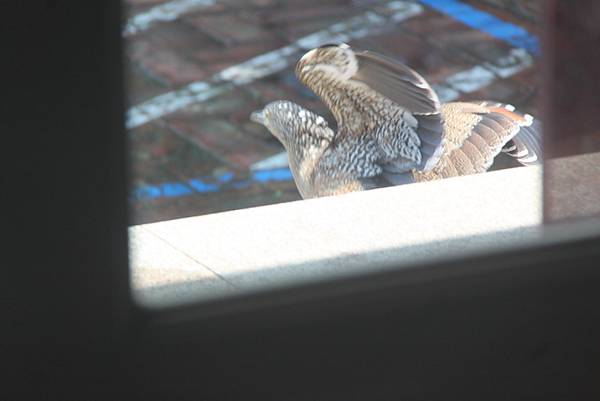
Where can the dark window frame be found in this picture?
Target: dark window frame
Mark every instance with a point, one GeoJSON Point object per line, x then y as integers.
{"type": "Point", "coordinates": [518, 324]}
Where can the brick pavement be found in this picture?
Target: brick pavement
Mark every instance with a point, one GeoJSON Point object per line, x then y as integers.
{"type": "Point", "coordinates": [209, 138]}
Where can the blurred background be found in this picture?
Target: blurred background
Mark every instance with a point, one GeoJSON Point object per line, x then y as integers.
{"type": "Point", "coordinates": [196, 69]}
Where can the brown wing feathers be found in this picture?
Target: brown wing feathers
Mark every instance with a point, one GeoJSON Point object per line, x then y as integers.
{"type": "Point", "coordinates": [454, 139]}
{"type": "Point", "coordinates": [474, 132]}
{"type": "Point", "coordinates": [526, 145]}
{"type": "Point", "coordinates": [477, 132]}
{"type": "Point", "coordinates": [409, 90]}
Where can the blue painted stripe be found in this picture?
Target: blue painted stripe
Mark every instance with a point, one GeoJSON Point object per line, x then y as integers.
{"type": "Point", "coordinates": [278, 174]}
{"type": "Point", "coordinates": [203, 185]}
{"type": "Point", "coordinates": [480, 20]}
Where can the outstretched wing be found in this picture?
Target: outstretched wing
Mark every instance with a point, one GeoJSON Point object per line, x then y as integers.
{"type": "Point", "coordinates": [477, 132]}
{"type": "Point", "coordinates": [397, 82]}
{"type": "Point", "coordinates": [526, 145]}
{"type": "Point", "coordinates": [382, 96]}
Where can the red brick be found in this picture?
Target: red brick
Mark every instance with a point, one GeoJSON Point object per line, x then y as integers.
{"type": "Point", "coordinates": [177, 36]}
{"type": "Point", "coordinates": [229, 29]}
{"type": "Point", "coordinates": [299, 21]}
{"type": "Point", "coordinates": [140, 86]}
{"type": "Point", "coordinates": [427, 60]}
{"type": "Point", "coordinates": [443, 32]}
{"type": "Point", "coordinates": [158, 155]}
{"type": "Point", "coordinates": [279, 89]}
{"type": "Point", "coordinates": [222, 106]}
{"type": "Point", "coordinates": [526, 13]}
{"type": "Point", "coordinates": [507, 91]}
{"type": "Point", "coordinates": [223, 139]}
{"type": "Point", "coordinates": [163, 52]}
{"type": "Point", "coordinates": [268, 90]}
{"type": "Point", "coordinates": [319, 11]}
{"type": "Point", "coordinates": [169, 66]}
{"type": "Point", "coordinates": [264, 3]}
{"type": "Point", "coordinates": [298, 30]}
{"type": "Point", "coordinates": [217, 59]}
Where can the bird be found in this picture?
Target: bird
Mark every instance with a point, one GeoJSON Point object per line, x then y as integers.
{"type": "Point", "coordinates": [391, 128]}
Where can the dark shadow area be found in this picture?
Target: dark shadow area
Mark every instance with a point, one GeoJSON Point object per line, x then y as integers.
{"type": "Point", "coordinates": [495, 326]}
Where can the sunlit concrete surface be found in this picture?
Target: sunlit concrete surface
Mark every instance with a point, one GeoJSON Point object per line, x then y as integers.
{"type": "Point", "coordinates": [199, 257]}
{"type": "Point", "coordinates": [155, 262]}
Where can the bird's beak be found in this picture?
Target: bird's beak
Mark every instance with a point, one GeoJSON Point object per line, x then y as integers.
{"type": "Point", "coordinates": [258, 116]}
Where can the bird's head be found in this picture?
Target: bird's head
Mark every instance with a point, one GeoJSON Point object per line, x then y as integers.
{"type": "Point", "coordinates": [304, 134]}
{"type": "Point", "coordinates": [293, 125]}
{"type": "Point", "coordinates": [337, 59]}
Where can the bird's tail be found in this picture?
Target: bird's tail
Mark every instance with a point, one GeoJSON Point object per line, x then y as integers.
{"type": "Point", "coordinates": [526, 145]}
{"type": "Point", "coordinates": [476, 132]}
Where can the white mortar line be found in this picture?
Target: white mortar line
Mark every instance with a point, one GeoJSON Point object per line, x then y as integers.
{"type": "Point", "coordinates": [268, 63]}
{"type": "Point", "coordinates": [278, 160]}
{"type": "Point", "coordinates": [466, 81]}
{"type": "Point", "coordinates": [482, 75]}
{"type": "Point", "coordinates": [165, 12]}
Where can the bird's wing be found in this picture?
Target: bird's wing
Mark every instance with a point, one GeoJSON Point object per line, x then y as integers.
{"type": "Point", "coordinates": [397, 82]}
{"type": "Point", "coordinates": [526, 145]}
{"type": "Point", "coordinates": [477, 132]}
{"type": "Point", "coordinates": [364, 101]}
{"type": "Point", "coordinates": [409, 90]}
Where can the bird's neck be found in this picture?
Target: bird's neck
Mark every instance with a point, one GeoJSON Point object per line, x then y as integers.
{"type": "Point", "coordinates": [326, 88]}
{"type": "Point", "coordinates": [304, 157]}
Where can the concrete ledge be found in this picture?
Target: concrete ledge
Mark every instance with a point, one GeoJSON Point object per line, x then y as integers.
{"type": "Point", "coordinates": [245, 250]}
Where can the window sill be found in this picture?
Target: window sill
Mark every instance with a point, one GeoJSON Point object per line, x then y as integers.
{"type": "Point", "coordinates": [223, 254]}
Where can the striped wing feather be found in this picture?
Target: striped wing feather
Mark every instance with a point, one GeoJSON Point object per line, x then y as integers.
{"type": "Point", "coordinates": [477, 132]}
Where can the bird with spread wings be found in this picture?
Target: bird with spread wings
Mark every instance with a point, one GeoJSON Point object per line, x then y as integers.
{"type": "Point", "coordinates": [391, 127]}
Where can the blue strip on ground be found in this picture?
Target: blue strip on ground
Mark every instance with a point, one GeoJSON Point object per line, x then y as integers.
{"type": "Point", "coordinates": [480, 20]}
{"type": "Point", "coordinates": [207, 185]}
{"type": "Point", "coordinates": [468, 15]}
